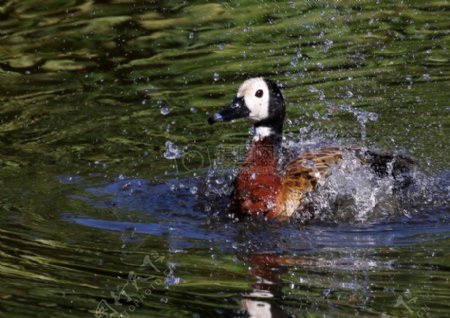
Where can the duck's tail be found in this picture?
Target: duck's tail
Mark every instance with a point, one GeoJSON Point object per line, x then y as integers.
{"type": "Point", "coordinates": [400, 166]}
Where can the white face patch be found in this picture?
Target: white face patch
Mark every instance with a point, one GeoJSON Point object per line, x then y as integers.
{"type": "Point", "coordinates": [256, 96]}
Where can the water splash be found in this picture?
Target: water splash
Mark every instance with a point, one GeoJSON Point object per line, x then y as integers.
{"type": "Point", "coordinates": [352, 193]}
{"type": "Point", "coordinates": [362, 116]}
{"type": "Point", "coordinates": [164, 107]}
{"type": "Point", "coordinates": [172, 151]}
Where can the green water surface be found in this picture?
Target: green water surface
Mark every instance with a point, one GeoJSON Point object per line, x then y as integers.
{"type": "Point", "coordinates": [92, 214]}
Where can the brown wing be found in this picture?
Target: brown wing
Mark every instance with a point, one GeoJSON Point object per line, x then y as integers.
{"type": "Point", "coordinates": [303, 174]}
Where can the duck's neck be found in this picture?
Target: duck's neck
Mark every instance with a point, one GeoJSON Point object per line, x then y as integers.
{"type": "Point", "coordinates": [267, 135]}
{"type": "Point", "coordinates": [266, 142]}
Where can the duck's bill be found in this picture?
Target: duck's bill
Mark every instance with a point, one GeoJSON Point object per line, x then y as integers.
{"type": "Point", "coordinates": [237, 109]}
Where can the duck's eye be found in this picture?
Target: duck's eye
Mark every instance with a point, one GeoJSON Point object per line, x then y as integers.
{"type": "Point", "coordinates": [259, 93]}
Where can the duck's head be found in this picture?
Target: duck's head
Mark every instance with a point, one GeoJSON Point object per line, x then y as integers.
{"type": "Point", "coordinates": [260, 100]}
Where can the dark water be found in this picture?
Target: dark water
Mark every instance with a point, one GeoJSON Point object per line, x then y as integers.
{"type": "Point", "coordinates": [114, 187]}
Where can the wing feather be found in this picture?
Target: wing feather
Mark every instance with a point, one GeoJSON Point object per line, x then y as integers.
{"type": "Point", "coordinates": [303, 174]}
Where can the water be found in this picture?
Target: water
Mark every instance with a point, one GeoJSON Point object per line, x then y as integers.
{"type": "Point", "coordinates": [114, 187]}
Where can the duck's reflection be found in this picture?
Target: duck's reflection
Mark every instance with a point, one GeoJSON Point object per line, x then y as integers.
{"type": "Point", "coordinates": [267, 269]}
{"type": "Point", "coordinates": [266, 248]}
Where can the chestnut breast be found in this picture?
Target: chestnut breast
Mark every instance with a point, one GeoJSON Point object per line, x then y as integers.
{"type": "Point", "coordinates": [258, 184]}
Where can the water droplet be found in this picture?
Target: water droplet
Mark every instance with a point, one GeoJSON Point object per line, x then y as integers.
{"type": "Point", "coordinates": [191, 35]}
{"type": "Point", "coordinates": [165, 110]}
{"type": "Point", "coordinates": [372, 116]}
{"type": "Point", "coordinates": [193, 190]}
{"type": "Point", "coordinates": [172, 151]}
{"type": "Point", "coordinates": [321, 95]}
{"type": "Point", "coordinates": [328, 45]}
{"type": "Point", "coordinates": [270, 205]}
{"type": "Point", "coordinates": [216, 77]}
{"type": "Point", "coordinates": [193, 110]}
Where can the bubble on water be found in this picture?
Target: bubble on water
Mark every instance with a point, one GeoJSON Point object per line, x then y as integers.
{"type": "Point", "coordinates": [172, 151]}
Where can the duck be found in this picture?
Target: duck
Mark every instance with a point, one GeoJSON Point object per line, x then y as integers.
{"type": "Point", "coordinates": [265, 187]}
